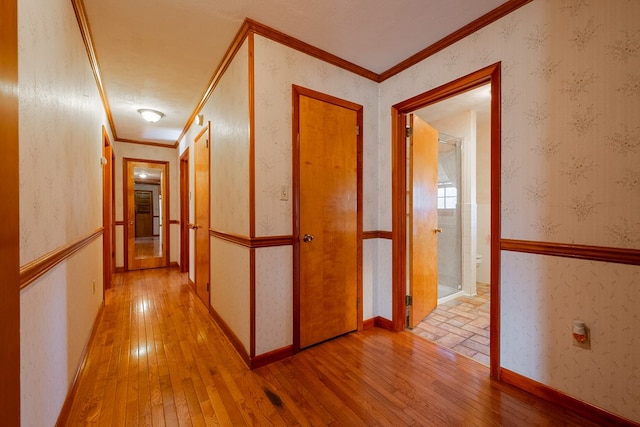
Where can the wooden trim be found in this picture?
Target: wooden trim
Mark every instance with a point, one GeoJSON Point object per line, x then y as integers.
{"type": "Point", "coordinates": [10, 214]}
{"type": "Point", "coordinates": [36, 268]}
{"type": "Point", "coordinates": [368, 324]}
{"type": "Point", "coordinates": [377, 234]}
{"type": "Point", "coordinates": [234, 47]}
{"type": "Point", "coordinates": [119, 269]}
{"type": "Point", "coordinates": [120, 223]}
{"type": "Point", "coordinates": [490, 74]}
{"type": "Point", "coordinates": [184, 211]}
{"type": "Point", "coordinates": [271, 357]}
{"type": "Point", "coordinates": [231, 336]}
{"type": "Point", "coordinates": [495, 309]}
{"type": "Point", "coordinates": [174, 222]}
{"type": "Point", "coordinates": [472, 27]}
{"type": "Point", "coordinates": [252, 137]}
{"type": "Point", "coordinates": [308, 49]}
{"type": "Point", "coordinates": [381, 322]}
{"type": "Point", "coordinates": [108, 211]}
{"type": "Point", "coordinates": [128, 162]}
{"type": "Point", "coordinates": [253, 243]}
{"type": "Point", "coordinates": [568, 250]}
{"type": "Point", "coordinates": [584, 409]}
{"type": "Point", "coordinates": [192, 284]}
{"type": "Point", "coordinates": [359, 214]}
{"type": "Point", "coordinates": [63, 417]}
{"type": "Point", "coordinates": [149, 143]}
{"type": "Point", "coordinates": [87, 38]}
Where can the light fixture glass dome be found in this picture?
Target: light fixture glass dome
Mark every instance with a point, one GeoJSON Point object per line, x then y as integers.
{"type": "Point", "coordinates": [151, 116]}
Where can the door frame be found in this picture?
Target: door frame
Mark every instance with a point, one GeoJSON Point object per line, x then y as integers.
{"type": "Point", "coordinates": [492, 75]}
{"type": "Point", "coordinates": [108, 211]}
{"type": "Point", "coordinates": [184, 212]}
{"type": "Point", "coordinates": [198, 228]}
{"type": "Point", "coordinates": [298, 91]}
{"type": "Point", "coordinates": [127, 164]}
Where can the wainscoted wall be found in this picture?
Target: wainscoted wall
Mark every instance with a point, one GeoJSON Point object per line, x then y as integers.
{"type": "Point", "coordinates": [57, 313]}
{"type": "Point", "coordinates": [570, 102]}
{"type": "Point", "coordinates": [277, 68]}
{"type": "Point", "coordinates": [147, 152]}
{"type": "Point", "coordinates": [61, 119]}
{"type": "Point", "coordinates": [555, 291]}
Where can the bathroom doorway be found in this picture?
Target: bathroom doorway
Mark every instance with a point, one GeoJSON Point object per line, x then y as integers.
{"type": "Point", "coordinates": [460, 320]}
{"type": "Point", "coordinates": [465, 115]}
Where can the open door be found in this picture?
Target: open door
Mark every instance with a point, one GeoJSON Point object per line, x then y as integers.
{"type": "Point", "coordinates": [329, 220]}
{"type": "Point", "coordinates": [146, 205]}
{"type": "Point", "coordinates": [201, 226]}
{"type": "Point", "coordinates": [423, 220]}
{"type": "Point", "coordinates": [108, 212]}
{"type": "Point", "coordinates": [184, 212]}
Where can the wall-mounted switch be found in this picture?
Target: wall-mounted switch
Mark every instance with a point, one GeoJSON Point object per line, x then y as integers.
{"type": "Point", "coordinates": [284, 193]}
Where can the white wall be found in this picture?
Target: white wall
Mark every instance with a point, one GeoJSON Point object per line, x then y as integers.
{"type": "Point", "coordinates": [569, 174]}
{"type": "Point", "coordinates": [61, 119]}
{"type": "Point", "coordinates": [483, 199]}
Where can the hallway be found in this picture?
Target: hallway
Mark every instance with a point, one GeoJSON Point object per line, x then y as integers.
{"type": "Point", "coordinates": [157, 358]}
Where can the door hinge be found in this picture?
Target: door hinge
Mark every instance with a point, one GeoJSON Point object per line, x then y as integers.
{"type": "Point", "coordinates": [207, 141]}
{"type": "Point", "coordinates": [357, 130]}
{"type": "Point", "coordinates": [208, 287]}
{"type": "Point", "coordinates": [408, 300]}
{"type": "Point", "coordinates": [409, 131]}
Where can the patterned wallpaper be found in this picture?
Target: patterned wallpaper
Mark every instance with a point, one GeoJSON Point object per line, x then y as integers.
{"type": "Point", "coordinates": [551, 292]}
{"type": "Point", "coordinates": [570, 147]}
{"type": "Point", "coordinates": [60, 132]}
{"type": "Point", "coordinates": [277, 67]}
{"type": "Point", "coordinates": [61, 118]}
{"type": "Point", "coordinates": [228, 108]}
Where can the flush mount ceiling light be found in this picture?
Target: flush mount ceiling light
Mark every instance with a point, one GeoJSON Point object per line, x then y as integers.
{"type": "Point", "coordinates": [151, 116]}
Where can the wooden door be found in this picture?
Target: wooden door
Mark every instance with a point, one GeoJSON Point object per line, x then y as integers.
{"type": "Point", "coordinates": [202, 209]}
{"type": "Point", "coordinates": [108, 212]}
{"type": "Point", "coordinates": [423, 220]}
{"type": "Point", "coordinates": [152, 252]}
{"type": "Point", "coordinates": [185, 198]}
{"type": "Point", "coordinates": [328, 220]}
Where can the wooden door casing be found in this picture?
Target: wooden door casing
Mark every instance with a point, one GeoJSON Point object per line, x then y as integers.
{"type": "Point", "coordinates": [131, 262]}
{"type": "Point", "coordinates": [201, 216]}
{"type": "Point", "coordinates": [423, 220]}
{"type": "Point", "coordinates": [328, 201]}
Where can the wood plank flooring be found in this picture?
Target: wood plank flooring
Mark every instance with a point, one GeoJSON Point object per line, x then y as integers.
{"type": "Point", "coordinates": [158, 359]}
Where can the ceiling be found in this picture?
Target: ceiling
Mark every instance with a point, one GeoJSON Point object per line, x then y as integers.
{"type": "Point", "coordinates": [162, 54]}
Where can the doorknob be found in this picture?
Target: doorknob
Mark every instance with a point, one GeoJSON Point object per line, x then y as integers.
{"type": "Point", "coordinates": [437, 230]}
{"type": "Point", "coordinates": [194, 226]}
{"type": "Point", "coordinates": [307, 238]}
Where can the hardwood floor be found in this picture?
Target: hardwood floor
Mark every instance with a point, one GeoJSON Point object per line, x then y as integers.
{"type": "Point", "coordinates": [157, 358]}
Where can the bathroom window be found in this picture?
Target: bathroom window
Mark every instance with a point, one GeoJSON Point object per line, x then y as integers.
{"type": "Point", "coordinates": [447, 195]}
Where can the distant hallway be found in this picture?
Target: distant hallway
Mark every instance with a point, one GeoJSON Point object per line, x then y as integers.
{"type": "Point", "coordinates": [157, 358]}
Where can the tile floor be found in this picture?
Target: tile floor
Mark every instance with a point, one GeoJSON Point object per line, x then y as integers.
{"type": "Point", "coordinates": [461, 324]}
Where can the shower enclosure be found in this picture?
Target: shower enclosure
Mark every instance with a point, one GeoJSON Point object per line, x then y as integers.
{"type": "Point", "coordinates": [449, 215]}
